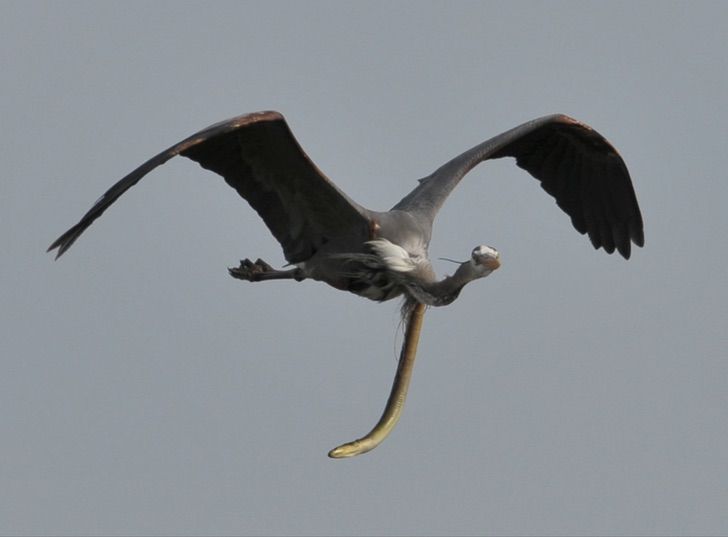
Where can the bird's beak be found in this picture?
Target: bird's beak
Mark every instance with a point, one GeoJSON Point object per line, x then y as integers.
{"type": "Point", "coordinates": [492, 263]}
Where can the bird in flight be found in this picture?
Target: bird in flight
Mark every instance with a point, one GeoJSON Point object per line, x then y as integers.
{"type": "Point", "coordinates": [326, 236]}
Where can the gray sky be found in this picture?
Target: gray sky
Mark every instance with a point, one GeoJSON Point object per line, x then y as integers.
{"type": "Point", "coordinates": [145, 391]}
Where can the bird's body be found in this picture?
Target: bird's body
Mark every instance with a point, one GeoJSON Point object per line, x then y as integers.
{"type": "Point", "coordinates": [391, 245]}
{"type": "Point", "coordinates": [328, 237]}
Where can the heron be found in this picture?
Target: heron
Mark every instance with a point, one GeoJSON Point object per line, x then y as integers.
{"type": "Point", "coordinates": [380, 255]}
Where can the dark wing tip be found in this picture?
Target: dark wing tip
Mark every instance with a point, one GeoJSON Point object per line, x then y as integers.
{"type": "Point", "coordinates": [65, 241]}
{"type": "Point", "coordinates": [625, 249]}
{"type": "Point", "coordinates": [625, 236]}
{"type": "Point", "coordinates": [55, 245]}
{"type": "Point", "coordinates": [637, 234]}
{"type": "Point", "coordinates": [587, 176]}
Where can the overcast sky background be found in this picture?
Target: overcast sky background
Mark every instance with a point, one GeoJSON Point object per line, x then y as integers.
{"type": "Point", "coordinates": [144, 391]}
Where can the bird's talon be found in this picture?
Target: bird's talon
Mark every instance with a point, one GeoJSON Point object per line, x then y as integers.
{"type": "Point", "coordinates": [251, 271]}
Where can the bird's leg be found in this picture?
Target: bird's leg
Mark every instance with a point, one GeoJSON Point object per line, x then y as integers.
{"type": "Point", "coordinates": [395, 403]}
{"type": "Point", "coordinates": [260, 271]}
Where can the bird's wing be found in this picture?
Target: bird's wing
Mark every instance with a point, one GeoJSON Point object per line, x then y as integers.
{"type": "Point", "coordinates": [573, 162]}
{"type": "Point", "coordinates": [258, 156]}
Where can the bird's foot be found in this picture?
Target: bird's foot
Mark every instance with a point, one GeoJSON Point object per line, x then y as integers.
{"type": "Point", "coordinates": [252, 272]}
{"type": "Point", "coordinates": [260, 271]}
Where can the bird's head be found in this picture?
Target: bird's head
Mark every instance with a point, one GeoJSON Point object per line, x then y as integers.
{"type": "Point", "coordinates": [483, 261]}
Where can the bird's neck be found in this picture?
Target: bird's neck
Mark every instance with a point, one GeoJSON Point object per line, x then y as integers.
{"type": "Point", "coordinates": [443, 292]}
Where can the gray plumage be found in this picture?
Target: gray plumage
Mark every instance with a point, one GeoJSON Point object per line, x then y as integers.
{"type": "Point", "coordinates": [326, 235]}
